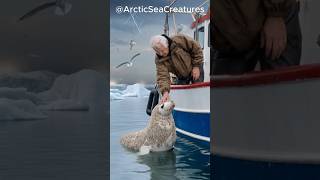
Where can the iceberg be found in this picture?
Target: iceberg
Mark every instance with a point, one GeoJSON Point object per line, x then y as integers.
{"type": "Point", "coordinates": [35, 81]}
{"type": "Point", "coordinates": [136, 90]}
{"type": "Point", "coordinates": [82, 90]}
{"type": "Point", "coordinates": [116, 96]}
{"type": "Point", "coordinates": [11, 109]}
{"type": "Point", "coordinates": [116, 91]}
{"type": "Point", "coordinates": [19, 94]}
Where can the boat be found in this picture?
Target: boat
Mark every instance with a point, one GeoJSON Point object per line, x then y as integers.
{"type": "Point", "coordinates": [268, 116]}
{"type": "Point", "coordinates": [192, 111]}
{"type": "Point", "coordinates": [273, 115]}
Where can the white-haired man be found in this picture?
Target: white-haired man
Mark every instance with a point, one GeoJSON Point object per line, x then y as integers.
{"type": "Point", "coordinates": [180, 55]}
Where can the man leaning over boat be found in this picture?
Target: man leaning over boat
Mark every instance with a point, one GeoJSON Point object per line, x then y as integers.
{"type": "Point", "coordinates": [179, 55]}
{"type": "Point", "coordinates": [248, 31]}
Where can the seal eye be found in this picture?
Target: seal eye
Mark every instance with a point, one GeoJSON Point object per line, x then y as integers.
{"type": "Point", "coordinates": [162, 106]}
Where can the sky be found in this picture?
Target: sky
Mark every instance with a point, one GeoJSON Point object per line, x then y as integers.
{"type": "Point", "coordinates": [66, 44]}
{"type": "Point", "coordinates": [123, 29]}
{"type": "Point", "coordinates": [62, 44]}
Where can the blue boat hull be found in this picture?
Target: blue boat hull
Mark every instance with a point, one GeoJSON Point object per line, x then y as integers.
{"type": "Point", "coordinates": [193, 125]}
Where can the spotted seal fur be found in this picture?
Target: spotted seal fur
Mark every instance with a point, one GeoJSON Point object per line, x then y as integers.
{"type": "Point", "coordinates": [159, 135]}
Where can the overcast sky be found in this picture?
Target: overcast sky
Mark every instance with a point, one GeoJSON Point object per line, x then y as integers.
{"type": "Point", "coordinates": [49, 42]}
{"type": "Point", "coordinates": [79, 39]}
{"type": "Point", "coordinates": [123, 30]}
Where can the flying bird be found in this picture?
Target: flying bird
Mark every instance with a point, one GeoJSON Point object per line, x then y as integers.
{"type": "Point", "coordinates": [62, 8]}
{"type": "Point", "coordinates": [129, 63]}
{"type": "Point", "coordinates": [132, 43]}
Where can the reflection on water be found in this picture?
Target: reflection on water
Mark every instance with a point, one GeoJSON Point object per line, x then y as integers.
{"type": "Point", "coordinates": [187, 160]}
{"type": "Point", "coordinates": [162, 165]}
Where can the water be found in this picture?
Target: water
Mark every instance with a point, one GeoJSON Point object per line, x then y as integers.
{"type": "Point", "coordinates": [237, 169]}
{"type": "Point", "coordinates": [187, 161]}
{"type": "Point", "coordinates": [66, 145]}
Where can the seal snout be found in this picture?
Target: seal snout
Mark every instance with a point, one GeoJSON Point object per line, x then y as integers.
{"type": "Point", "coordinates": [172, 105]}
{"type": "Point", "coordinates": [169, 105]}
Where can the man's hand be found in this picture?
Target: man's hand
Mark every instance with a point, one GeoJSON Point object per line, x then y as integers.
{"type": "Point", "coordinates": [195, 73]}
{"type": "Point", "coordinates": [274, 37]}
{"type": "Point", "coordinates": [165, 97]}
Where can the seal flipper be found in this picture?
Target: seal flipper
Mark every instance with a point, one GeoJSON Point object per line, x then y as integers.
{"type": "Point", "coordinates": [144, 150]}
{"type": "Point", "coordinates": [133, 141]}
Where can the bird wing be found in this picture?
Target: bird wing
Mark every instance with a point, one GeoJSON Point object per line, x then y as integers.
{"type": "Point", "coordinates": [36, 10]}
{"type": "Point", "coordinates": [134, 56]}
{"type": "Point", "coordinates": [121, 64]}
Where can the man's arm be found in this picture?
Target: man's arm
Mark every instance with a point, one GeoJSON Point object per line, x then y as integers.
{"type": "Point", "coordinates": [195, 51]}
{"type": "Point", "coordinates": [274, 32]}
{"type": "Point", "coordinates": [196, 54]}
{"type": "Point", "coordinates": [163, 77]}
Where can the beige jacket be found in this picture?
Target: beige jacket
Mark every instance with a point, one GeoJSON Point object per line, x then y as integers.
{"type": "Point", "coordinates": [185, 53]}
{"type": "Point", "coordinates": [237, 23]}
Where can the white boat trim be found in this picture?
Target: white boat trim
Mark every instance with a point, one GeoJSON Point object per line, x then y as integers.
{"type": "Point", "coordinates": [203, 138]}
{"type": "Point", "coordinates": [192, 110]}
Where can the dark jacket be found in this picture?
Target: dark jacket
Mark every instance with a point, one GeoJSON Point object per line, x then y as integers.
{"type": "Point", "coordinates": [184, 54]}
{"type": "Point", "coordinates": [237, 23]}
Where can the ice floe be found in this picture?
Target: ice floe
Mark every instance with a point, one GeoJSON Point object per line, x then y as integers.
{"type": "Point", "coordinates": [11, 109]}
{"type": "Point", "coordinates": [35, 81]}
{"type": "Point", "coordinates": [18, 94]}
{"type": "Point", "coordinates": [78, 91]}
{"type": "Point", "coordinates": [135, 90]}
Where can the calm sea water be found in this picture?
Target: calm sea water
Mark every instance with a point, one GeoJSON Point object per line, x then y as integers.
{"type": "Point", "coordinates": [235, 169]}
{"type": "Point", "coordinates": [66, 145]}
{"type": "Point", "coordinates": [188, 160]}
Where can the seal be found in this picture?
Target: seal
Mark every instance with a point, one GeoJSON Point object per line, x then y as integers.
{"type": "Point", "coordinates": [159, 135]}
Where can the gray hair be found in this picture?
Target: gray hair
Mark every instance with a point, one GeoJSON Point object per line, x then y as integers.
{"type": "Point", "coordinates": [158, 39]}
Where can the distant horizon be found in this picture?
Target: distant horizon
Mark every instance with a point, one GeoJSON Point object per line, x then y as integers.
{"type": "Point", "coordinates": [115, 84]}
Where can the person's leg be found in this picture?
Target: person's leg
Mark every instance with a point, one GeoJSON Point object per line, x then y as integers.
{"type": "Point", "coordinates": [292, 54]}
{"type": "Point", "coordinates": [183, 81]}
{"type": "Point", "coordinates": [234, 63]}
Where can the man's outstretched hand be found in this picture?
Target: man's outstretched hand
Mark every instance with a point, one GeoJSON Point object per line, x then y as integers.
{"type": "Point", "coordinates": [165, 97]}
{"type": "Point", "coordinates": [195, 73]}
{"type": "Point", "coordinates": [274, 37]}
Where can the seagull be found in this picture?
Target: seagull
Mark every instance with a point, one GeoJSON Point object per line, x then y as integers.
{"type": "Point", "coordinates": [129, 63]}
{"type": "Point", "coordinates": [132, 43]}
{"type": "Point", "coordinates": [62, 8]}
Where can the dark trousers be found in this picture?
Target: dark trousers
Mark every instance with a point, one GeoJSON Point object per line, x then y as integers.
{"type": "Point", "coordinates": [188, 80]}
{"type": "Point", "coordinates": [229, 62]}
